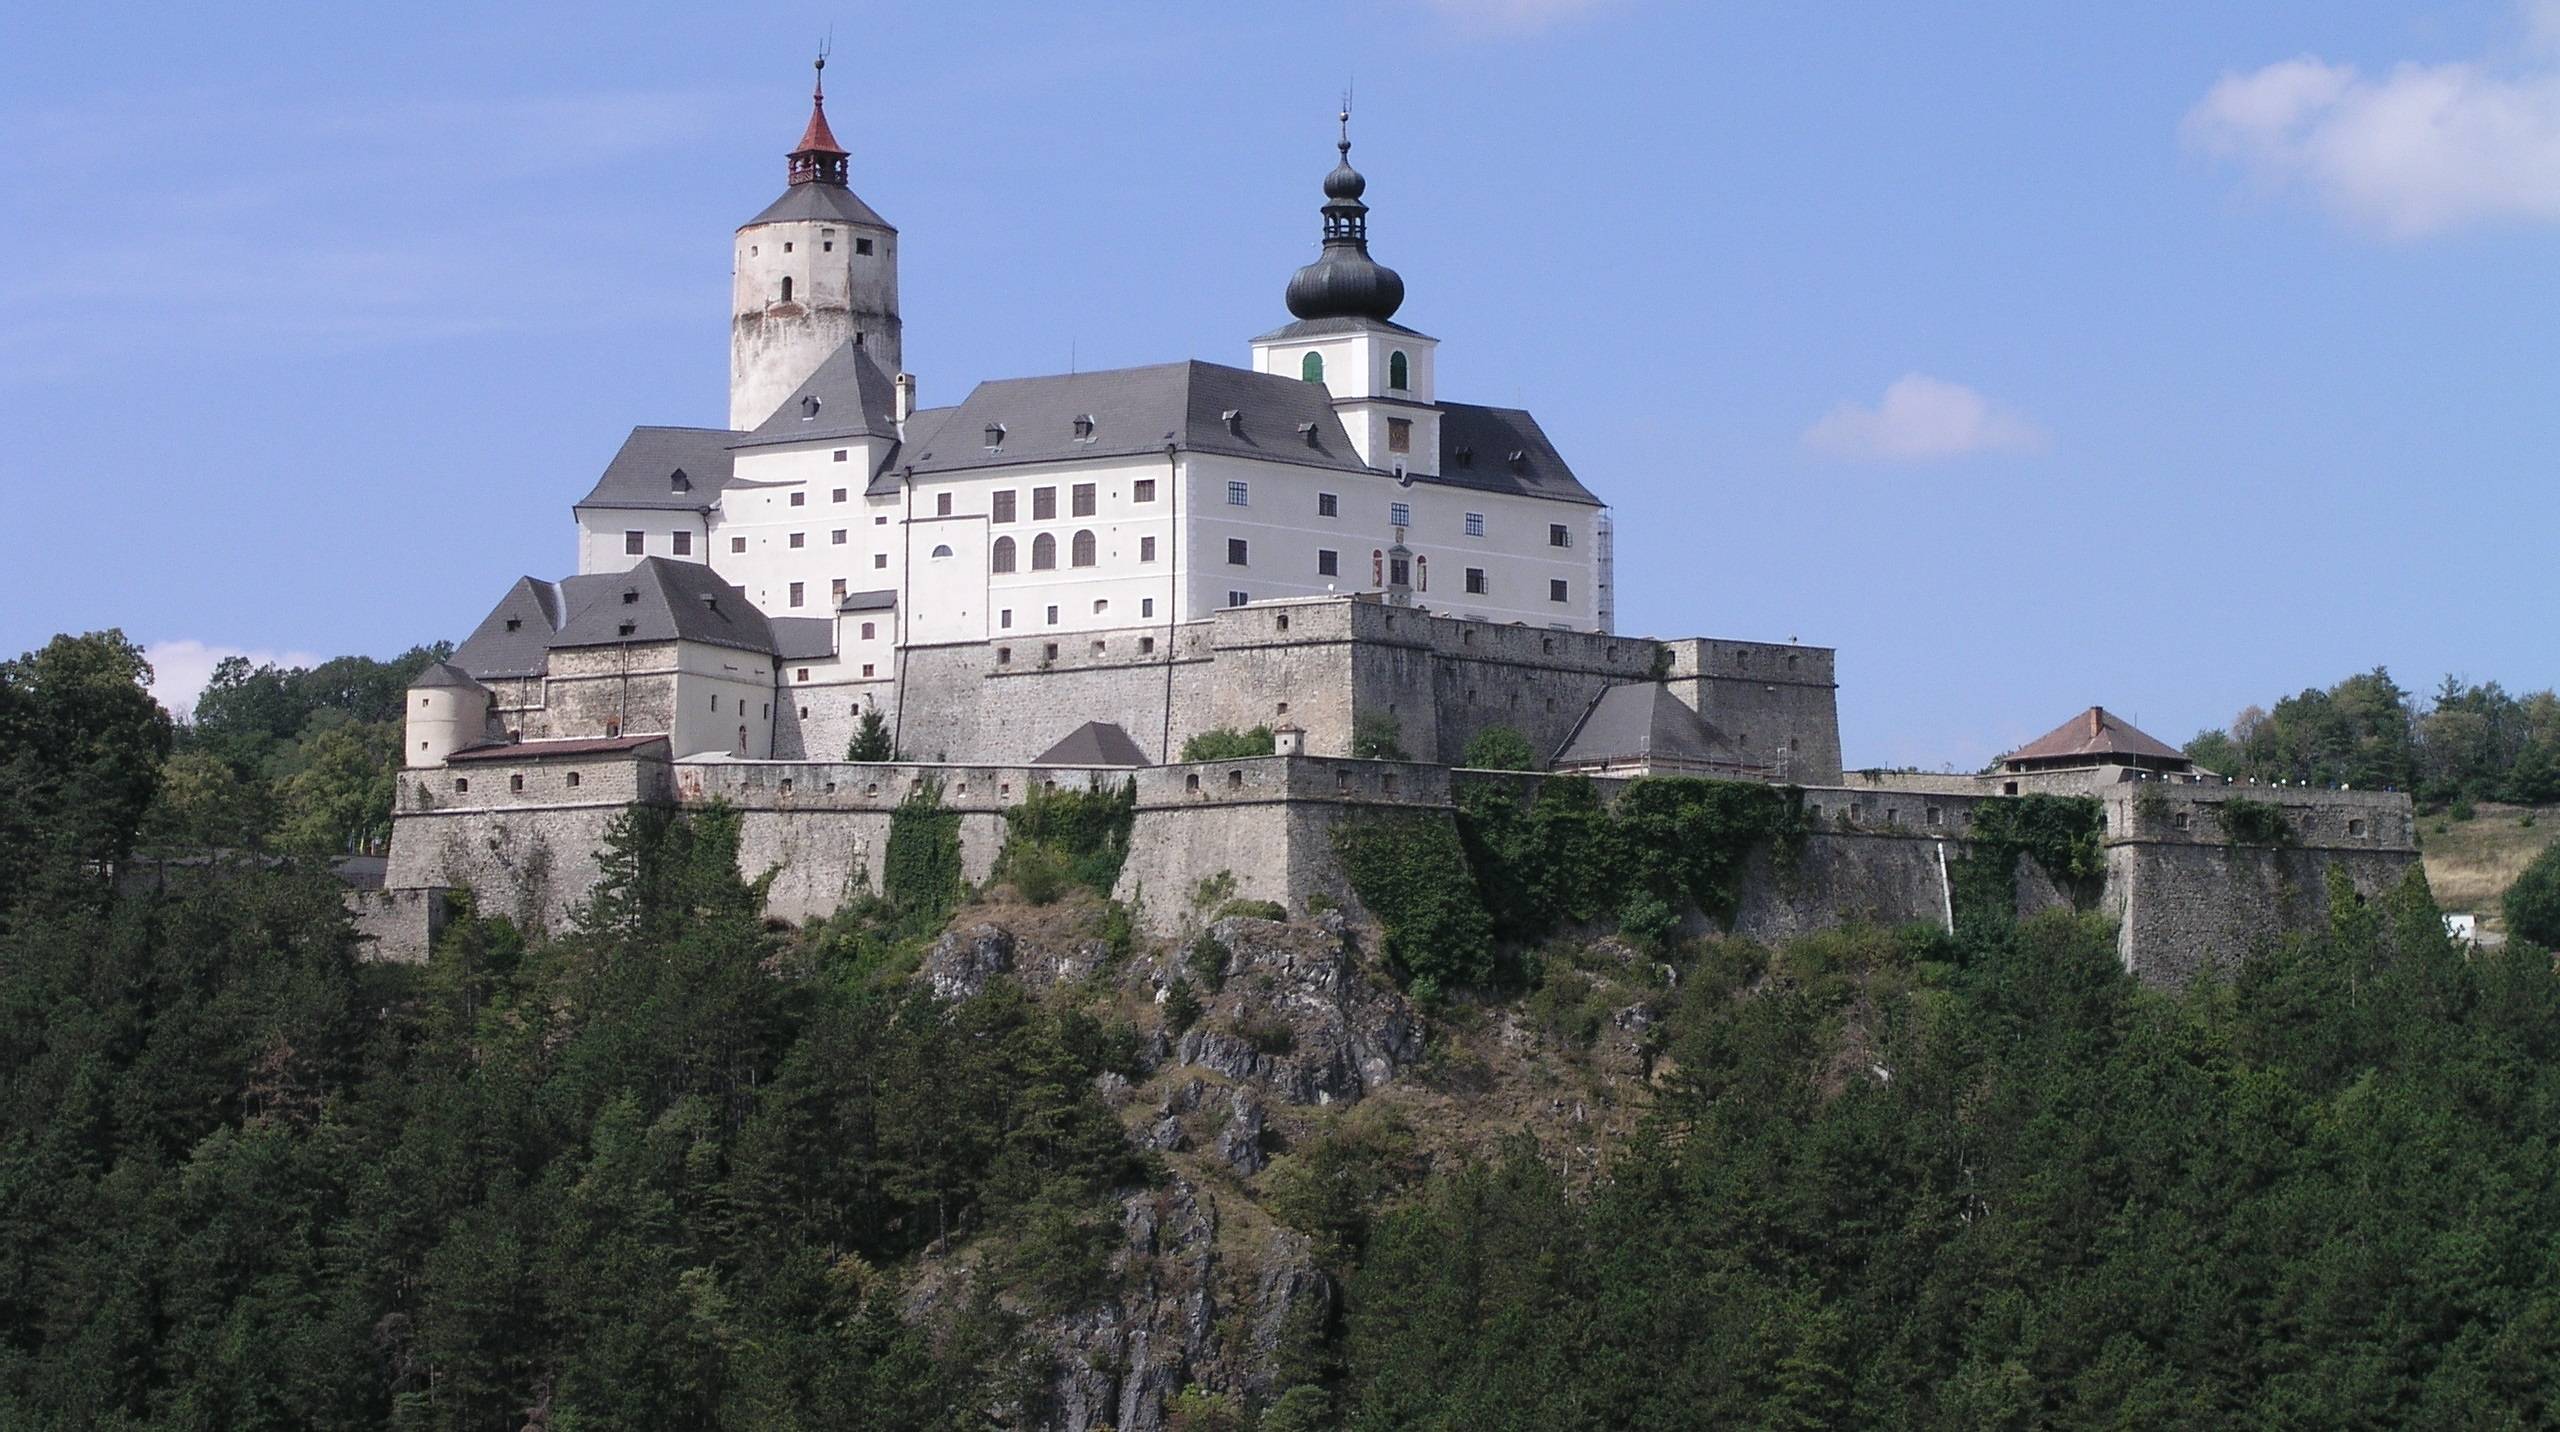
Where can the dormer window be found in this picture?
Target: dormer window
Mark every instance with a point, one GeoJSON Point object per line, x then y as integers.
{"type": "Point", "coordinates": [630, 596]}
{"type": "Point", "coordinates": [809, 407]}
{"type": "Point", "coordinates": [626, 629]}
{"type": "Point", "coordinates": [995, 435]}
{"type": "Point", "coordinates": [1084, 428]}
{"type": "Point", "coordinates": [678, 482]}
{"type": "Point", "coordinates": [1234, 419]}
{"type": "Point", "coordinates": [1519, 458]}
{"type": "Point", "coordinates": [1465, 455]}
{"type": "Point", "coordinates": [515, 623]}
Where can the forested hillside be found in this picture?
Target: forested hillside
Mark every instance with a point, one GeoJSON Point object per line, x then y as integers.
{"type": "Point", "coordinates": [674, 1168]}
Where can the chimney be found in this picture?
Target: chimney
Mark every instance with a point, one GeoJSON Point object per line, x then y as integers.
{"type": "Point", "coordinates": [906, 403]}
{"type": "Point", "coordinates": [2097, 721]}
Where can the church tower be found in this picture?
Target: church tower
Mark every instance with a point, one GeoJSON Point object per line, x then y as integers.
{"type": "Point", "coordinates": [815, 271]}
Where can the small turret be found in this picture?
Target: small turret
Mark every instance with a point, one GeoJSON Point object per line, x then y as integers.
{"type": "Point", "coordinates": [447, 712]}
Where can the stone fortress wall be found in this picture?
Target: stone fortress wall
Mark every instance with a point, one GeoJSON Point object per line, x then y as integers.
{"type": "Point", "coordinates": [2183, 893]}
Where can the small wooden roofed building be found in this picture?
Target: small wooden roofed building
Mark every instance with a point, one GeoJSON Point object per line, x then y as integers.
{"type": "Point", "coordinates": [2095, 738]}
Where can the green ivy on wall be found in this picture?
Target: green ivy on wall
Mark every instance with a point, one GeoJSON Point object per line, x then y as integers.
{"type": "Point", "coordinates": [920, 871]}
{"type": "Point", "coordinates": [2061, 834]}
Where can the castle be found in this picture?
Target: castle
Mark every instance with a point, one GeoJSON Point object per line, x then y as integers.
{"type": "Point", "coordinates": [1062, 579]}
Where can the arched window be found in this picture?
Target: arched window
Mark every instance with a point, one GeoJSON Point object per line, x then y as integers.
{"type": "Point", "coordinates": [1003, 559]}
{"type": "Point", "coordinates": [941, 550]}
{"type": "Point", "coordinates": [1422, 574]}
{"type": "Point", "coordinates": [786, 290]}
{"type": "Point", "coordinates": [1080, 552]}
{"type": "Point", "coordinates": [1398, 372]}
{"type": "Point", "coordinates": [1311, 367]}
{"type": "Point", "coordinates": [1044, 553]}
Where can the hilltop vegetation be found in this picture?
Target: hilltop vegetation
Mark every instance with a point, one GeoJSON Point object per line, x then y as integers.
{"type": "Point", "coordinates": [2467, 743]}
{"type": "Point", "coordinates": [674, 1168]}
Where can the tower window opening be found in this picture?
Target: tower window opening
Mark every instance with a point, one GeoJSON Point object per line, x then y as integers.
{"type": "Point", "coordinates": [862, 246]}
{"type": "Point", "coordinates": [786, 285]}
{"type": "Point", "coordinates": [1398, 372]}
{"type": "Point", "coordinates": [1311, 368]}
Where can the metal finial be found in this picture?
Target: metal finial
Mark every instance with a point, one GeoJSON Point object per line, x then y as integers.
{"type": "Point", "coordinates": [824, 45]}
{"type": "Point", "coordinates": [1345, 144]}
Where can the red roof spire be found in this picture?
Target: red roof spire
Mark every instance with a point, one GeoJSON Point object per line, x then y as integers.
{"type": "Point", "coordinates": [818, 159]}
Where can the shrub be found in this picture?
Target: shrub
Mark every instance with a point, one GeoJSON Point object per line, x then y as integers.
{"type": "Point", "coordinates": [1499, 748]}
{"type": "Point", "coordinates": [1411, 872]}
{"type": "Point", "coordinates": [1375, 736]}
{"type": "Point", "coordinates": [1254, 910]}
{"type": "Point", "coordinates": [1227, 744]}
{"type": "Point", "coordinates": [1267, 1033]}
{"type": "Point", "coordinates": [2533, 902]}
{"type": "Point", "coordinates": [1181, 1006]}
{"type": "Point", "coordinates": [2250, 822]}
{"type": "Point", "coordinates": [1207, 958]}
{"type": "Point", "coordinates": [1084, 835]}
{"type": "Point", "coordinates": [1648, 920]}
{"type": "Point", "coordinates": [1038, 872]}
{"type": "Point", "coordinates": [2463, 809]}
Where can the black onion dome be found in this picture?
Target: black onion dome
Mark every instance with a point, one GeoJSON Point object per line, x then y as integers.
{"type": "Point", "coordinates": [1344, 282]}
{"type": "Point", "coordinates": [1346, 286]}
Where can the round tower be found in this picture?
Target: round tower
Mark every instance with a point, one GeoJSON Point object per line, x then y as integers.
{"type": "Point", "coordinates": [815, 271]}
{"type": "Point", "coordinates": [447, 711]}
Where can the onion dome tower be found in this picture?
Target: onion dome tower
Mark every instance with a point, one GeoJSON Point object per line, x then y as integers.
{"type": "Point", "coordinates": [1344, 282]}
{"type": "Point", "coordinates": [816, 271]}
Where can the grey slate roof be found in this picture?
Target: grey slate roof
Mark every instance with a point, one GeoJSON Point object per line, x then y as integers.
{"type": "Point", "coordinates": [1642, 720]}
{"type": "Point", "coordinates": [1327, 327]}
{"type": "Point", "coordinates": [668, 600]}
{"type": "Point", "coordinates": [665, 603]}
{"type": "Point", "coordinates": [855, 400]}
{"type": "Point", "coordinates": [802, 638]}
{"type": "Point", "coordinates": [495, 650]}
{"type": "Point", "coordinates": [1138, 411]}
{"type": "Point", "coordinates": [443, 673]}
{"type": "Point", "coordinates": [821, 202]}
{"type": "Point", "coordinates": [1476, 444]}
{"type": "Point", "coordinates": [639, 475]}
{"type": "Point", "coordinates": [882, 600]}
{"type": "Point", "coordinates": [1095, 743]}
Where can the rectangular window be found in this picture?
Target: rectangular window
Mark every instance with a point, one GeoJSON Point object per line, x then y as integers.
{"type": "Point", "coordinates": [1143, 490]}
{"type": "Point", "coordinates": [1080, 499]}
{"type": "Point", "coordinates": [1237, 496]}
{"type": "Point", "coordinates": [1001, 509]}
{"type": "Point", "coordinates": [879, 559]}
{"type": "Point", "coordinates": [1475, 582]}
{"type": "Point", "coordinates": [942, 504]}
{"type": "Point", "coordinates": [634, 543]}
{"type": "Point", "coordinates": [1555, 590]}
{"type": "Point", "coordinates": [795, 593]}
{"type": "Point", "coordinates": [1005, 618]}
{"type": "Point", "coordinates": [683, 543]}
{"type": "Point", "coordinates": [801, 675]}
{"type": "Point", "coordinates": [1475, 524]}
{"type": "Point", "coordinates": [1235, 552]}
{"type": "Point", "coordinates": [1328, 562]}
{"type": "Point", "coordinates": [862, 246]}
{"type": "Point", "coordinates": [1559, 535]}
{"type": "Point", "coordinates": [869, 630]}
{"type": "Point", "coordinates": [1044, 503]}
{"type": "Point", "coordinates": [799, 539]}
{"type": "Point", "coordinates": [866, 668]}
{"type": "Point", "coordinates": [836, 538]}
{"type": "Point", "coordinates": [1146, 549]}
{"type": "Point", "coordinates": [840, 456]}
{"type": "Point", "coordinates": [835, 589]}
{"type": "Point", "coordinates": [836, 496]}
{"type": "Point", "coordinates": [1053, 616]}
{"type": "Point", "coordinates": [1399, 515]}
{"type": "Point", "coordinates": [799, 499]}
{"type": "Point", "coordinates": [1146, 606]}
{"type": "Point", "coordinates": [1328, 505]}
{"type": "Point", "coordinates": [1237, 599]}
{"type": "Point", "coordinates": [1399, 434]}
{"type": "Point", "coordinates": [737, 544]}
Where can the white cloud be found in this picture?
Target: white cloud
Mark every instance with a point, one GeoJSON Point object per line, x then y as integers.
{"type": "Point", "coordinates": [1922, 418]}
{"type": "Point", "coordinates": [2417, 151]}
{"type": "Point", "coordinates": [1516, 16]}
{"type": "Point", "coordinates": [180, 669]}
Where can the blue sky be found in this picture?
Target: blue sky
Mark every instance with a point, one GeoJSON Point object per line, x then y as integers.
{"type": "Point", "coordinates": [2172, 357]}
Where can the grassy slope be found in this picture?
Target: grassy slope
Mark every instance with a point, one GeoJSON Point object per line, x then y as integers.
{"type": "Point", "coordinates": [2470, 863]}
